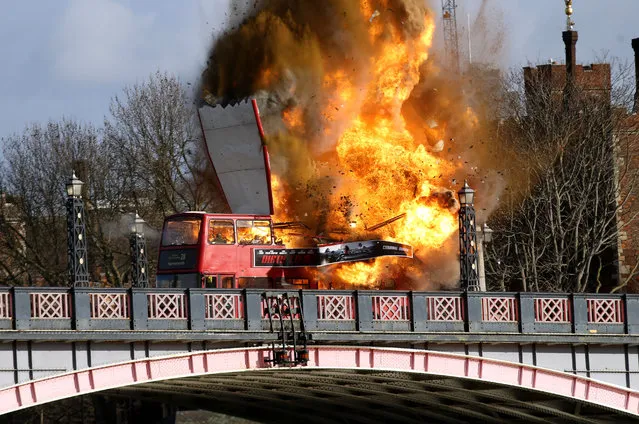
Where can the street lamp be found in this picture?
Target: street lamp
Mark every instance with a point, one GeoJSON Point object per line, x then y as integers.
{"type": "Point", "coordinates": [139, 263]}
{"type": "Point", "coordinates": [77, 266]}
{"type": "Point", "coordinates": [467, 240]}
{"type": "Point", "coordinates": [484, 235]}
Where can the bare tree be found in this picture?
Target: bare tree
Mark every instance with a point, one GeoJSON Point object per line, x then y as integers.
{"type": "Point", "coordinates": [154, 130]}
{"type": "Point", "coordinates": [149, 158]}
{"type": "Point", "coordinates": [557, 229]}
{"type": "Point", "coordinates": [36, 166]}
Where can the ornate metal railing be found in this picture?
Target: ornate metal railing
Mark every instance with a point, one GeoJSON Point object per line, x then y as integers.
{"type": "Point", "coordinates": [363, 311]}
{"type": "Point", "coordinates": [167, 305]}
{"type": "Point", "coordinates": [447, 308]}
{"type": "Point", "coordinates": [109, 306]}
{"type": "Point", "coordinates": [5, 306]}
{"type": "Point", "coordinates": [552, 310]}
{"type": "Point", "coordinates": [605, 311]}
{"type": "Point", "coordinates": [499, 309]}
{"type": "Point", "coordinates": [339, 307]}
{"type": "Point", "coordinates": [224, 306]}
{"type": "Point", "coordinates": [47, 305]}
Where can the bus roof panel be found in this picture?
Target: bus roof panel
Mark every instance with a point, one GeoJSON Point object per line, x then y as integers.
{"type": "Point", "coordinates": [234, 142]}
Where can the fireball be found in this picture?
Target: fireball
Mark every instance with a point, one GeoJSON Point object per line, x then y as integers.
{"type": "Point", "coordinates": [346, 154]}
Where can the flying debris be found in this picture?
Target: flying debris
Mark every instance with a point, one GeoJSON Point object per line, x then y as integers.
{"type": "Point", "coordinates": [438, 147]}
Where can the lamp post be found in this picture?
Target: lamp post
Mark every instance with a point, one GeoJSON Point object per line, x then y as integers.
{"type": "Point", "coordinates": [139, 262]}
{"type": "Point", "coordinates": [484, 235]}
{"type": "Point", "coordinates": [77, 266]}
{"type": "Point", "coordinates": [467, 240]}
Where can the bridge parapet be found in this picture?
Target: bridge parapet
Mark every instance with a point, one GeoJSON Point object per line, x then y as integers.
{"type": "Point", "coordinates": [49, 308]}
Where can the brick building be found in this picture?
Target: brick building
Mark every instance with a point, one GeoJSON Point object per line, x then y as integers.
{"type": "Point", "coordinates": [595, 81]}
{"type": "Point", "coordinates": [628, 164]}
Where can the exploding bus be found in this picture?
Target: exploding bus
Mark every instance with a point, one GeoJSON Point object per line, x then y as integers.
{"type": "Point", "coordinates": [227, 251]}
{"type": "Point", "coordinates": [240, 249]}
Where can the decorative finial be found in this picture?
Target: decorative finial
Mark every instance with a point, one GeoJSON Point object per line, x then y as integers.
{"type": "Point", "coordinates": [569, 22]}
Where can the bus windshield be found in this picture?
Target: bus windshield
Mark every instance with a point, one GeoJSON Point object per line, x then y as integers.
{"type": "Point", "coordinates": [181, 232]}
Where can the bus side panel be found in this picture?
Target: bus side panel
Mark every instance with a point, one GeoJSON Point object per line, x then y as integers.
{"type": "Point", "coordinates": [219, 259]}
{"type": "Point", "coordinates": [247, 268]}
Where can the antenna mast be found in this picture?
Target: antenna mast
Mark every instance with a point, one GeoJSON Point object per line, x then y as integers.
{"type": "Point", "coordinates": [451, 42]}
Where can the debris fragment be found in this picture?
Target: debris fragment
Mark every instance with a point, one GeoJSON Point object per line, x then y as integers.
{"type": "Point", "coordinates": [373, 16]}
{"type": "Point", "coordinates": [438, 147]}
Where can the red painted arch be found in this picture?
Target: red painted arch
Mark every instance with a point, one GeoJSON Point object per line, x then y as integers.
{"type": "Point", "coordinates": [116, 375]}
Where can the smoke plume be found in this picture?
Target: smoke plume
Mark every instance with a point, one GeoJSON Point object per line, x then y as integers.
{"type": "Point", "coordinates": [369, 124]}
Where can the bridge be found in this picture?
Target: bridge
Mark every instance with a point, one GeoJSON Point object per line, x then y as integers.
{"type": "Point", "coordinates": [350, 356]}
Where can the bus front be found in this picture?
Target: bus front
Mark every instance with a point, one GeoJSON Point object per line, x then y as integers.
{"type": "Point", "coordinates": [178, 263]}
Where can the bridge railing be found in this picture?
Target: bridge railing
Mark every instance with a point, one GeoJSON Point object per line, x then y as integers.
{"type": "Point", "coordinates": [49, 308]}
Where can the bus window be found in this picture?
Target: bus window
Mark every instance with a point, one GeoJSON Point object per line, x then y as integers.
{"type": "Point", "coordinates": [185, 281]}
{"type": "Point", "coordinates": [253, 232]}
{"type": "Point", "coordinates": [227, 281]}
{"type": "Point", "coordinates": [180, 232]}
{"type": "Point", "coordinates": [210, 282]}
{"type": "Point", "coordinates": [221, 232]}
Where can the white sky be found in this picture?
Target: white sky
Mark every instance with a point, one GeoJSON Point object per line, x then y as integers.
{"type": "Point", "coordinates": [69, 57]}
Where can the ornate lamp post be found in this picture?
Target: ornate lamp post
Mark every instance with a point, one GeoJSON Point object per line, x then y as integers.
{"type": "Point", "coordinates": [76, 234]}
{"type": "Point", "coordinates": [467, 240]}
{"type": "Point", "coordinates": [139, 262]}
{"type": "Point", "coordinates": [484, 235]}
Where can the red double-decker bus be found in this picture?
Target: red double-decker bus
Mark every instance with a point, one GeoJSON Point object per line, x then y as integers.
{"type": "Point", "coordinates": [239, 250]}
{"type": "Point", "coordinates": [199, 249]}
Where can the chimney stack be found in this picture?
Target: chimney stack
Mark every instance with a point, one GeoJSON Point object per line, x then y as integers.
{"type": "Point", "coordinates": [635, 47]}
{"type": "Point", "coordinates": [570, 40]}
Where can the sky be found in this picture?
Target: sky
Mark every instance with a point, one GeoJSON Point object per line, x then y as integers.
{"type": "Point", "coordinates": [68, 58]}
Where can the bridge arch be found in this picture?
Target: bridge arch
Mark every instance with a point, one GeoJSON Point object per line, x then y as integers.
{"type": "Point", "coordinates": [420, 384]}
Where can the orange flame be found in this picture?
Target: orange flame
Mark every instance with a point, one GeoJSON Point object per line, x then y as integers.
{"type": "Point", "coordinates": [378, 164]}
{"type": "Point", "coordinates": [293, 118]}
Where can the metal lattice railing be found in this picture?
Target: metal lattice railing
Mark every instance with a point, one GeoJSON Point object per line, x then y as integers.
{"type": "Point", "coordinates": [445, 308]}
{"type": "Point", "coordinates": [224, 306]}
{"type": "Point", "coordinates": [391, 308]}
{"type": "Point", "coordinates": [109, 306]}
{"type": "Point", "coordinates": [552, 310]}
{"type": "Point", "coordinates": [335, 307]}
{"type": "Point", "coordinates": [5, 306]}
{"type": "Point", "coordinates": [50, 305]}
{"type": "Point", "coordinates": [498, 309]}
{"type": "Point", "coordinates": [275, 301]}
{"type": "Point", "coordinates": [605, 311]}
{"type": "Point", "coordinates": [167, 306]}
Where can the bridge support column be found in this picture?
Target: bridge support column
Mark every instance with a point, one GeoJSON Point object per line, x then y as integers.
{"type": "Point", "coordinates": [526, 313]}
{"type": "Point", "coordinates": [196, 310]}
{"type": "Point", "coordinates": [21, 308]}
{"type": "Point", "coordinates": [364, 312]}
{"type": "Point", "coordinates": [309, 307]}
{"type": "Point", "coordinates": [81, 309]}
{"type": "Point", "coordinates": [419, 318]}
{"type": "Point", "coordinates": [252, 310]}
{"type": "Point", "coordinates": [632, 313]}
{"type": "Point", "coordinates": [473, 311]}
{"type": "Point", "coordinates": [139, 309]}
{"type": "Point", "coordinates": [580, 313]}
